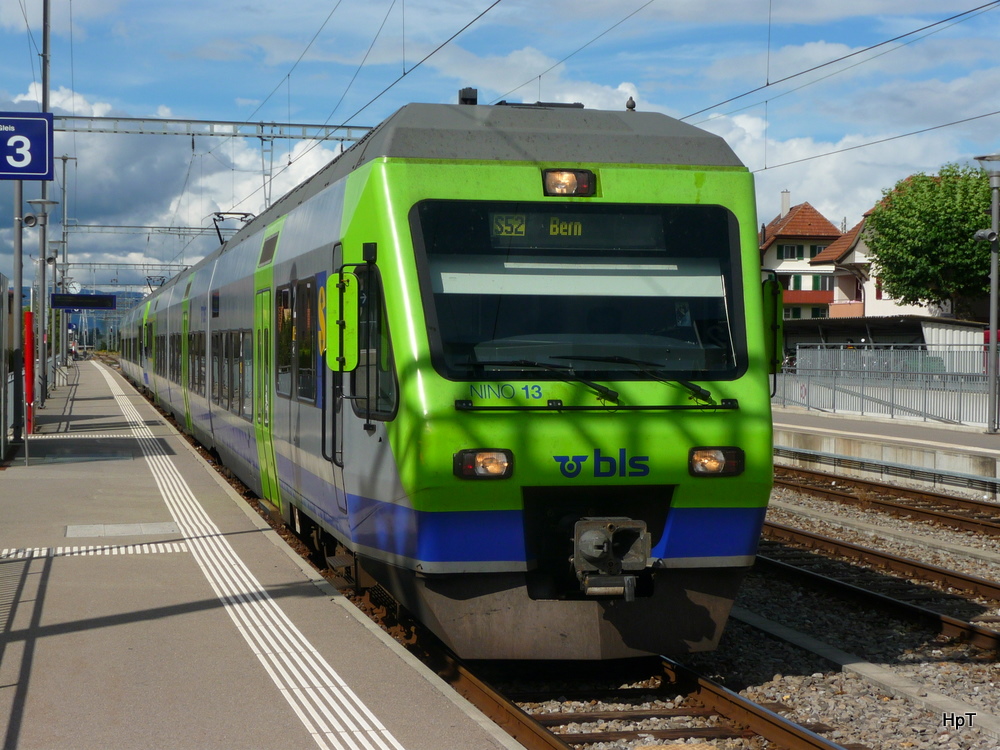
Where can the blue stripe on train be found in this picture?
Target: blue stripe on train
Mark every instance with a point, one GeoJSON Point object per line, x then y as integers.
{"type": "Point", "coordinates": [478, 536]}
{"type": "Point", "coordinates": [498, 535]}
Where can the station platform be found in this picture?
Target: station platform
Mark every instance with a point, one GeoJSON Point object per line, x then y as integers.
{"type": "Point", "coordinates": [931, 454]}
{"type": "Point", "coordinates": [144, 604]}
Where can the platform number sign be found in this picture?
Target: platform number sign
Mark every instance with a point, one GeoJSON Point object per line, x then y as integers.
{"type": "Point", "coordinates": [25, 146]}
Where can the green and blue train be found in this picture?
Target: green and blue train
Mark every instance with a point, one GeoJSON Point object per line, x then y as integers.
{"type": "Point", "coordinates": [509, 362]}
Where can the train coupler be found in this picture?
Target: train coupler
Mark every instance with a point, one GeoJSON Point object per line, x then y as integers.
{"type": "Point", "coordinates": [608, 553]}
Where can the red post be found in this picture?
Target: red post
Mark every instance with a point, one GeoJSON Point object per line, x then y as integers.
{"type": "Point", "coordinates": [29, 374]}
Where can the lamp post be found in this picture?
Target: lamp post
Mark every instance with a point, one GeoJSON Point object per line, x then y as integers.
{"type": "Point", "coordinates": [42, 211]}
{"type": "Point", "coordinates": [57, 318]}
{"type": "Point", "coordinates": [991, 163]}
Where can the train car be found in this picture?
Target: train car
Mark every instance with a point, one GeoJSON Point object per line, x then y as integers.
{"type": "Point", "coordinates": [511, 361]}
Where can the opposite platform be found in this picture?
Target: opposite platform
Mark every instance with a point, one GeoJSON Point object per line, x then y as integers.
{"type": "Point", "coordinates": [144, 605]}
{"type": "Point", "coordinates": [925, 454]}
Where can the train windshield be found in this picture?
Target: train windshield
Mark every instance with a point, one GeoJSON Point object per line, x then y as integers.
{"type": "Point", "coordinates": [598, 287]}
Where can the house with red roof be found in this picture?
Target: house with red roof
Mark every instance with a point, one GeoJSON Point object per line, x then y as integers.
{"type": "Point", "coordinates": [788, 245]}
{"type": "Point", "coordinates": [856, 293]}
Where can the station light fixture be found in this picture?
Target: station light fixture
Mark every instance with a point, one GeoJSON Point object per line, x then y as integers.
{"type": "Point", "coordinates": [484, 463]}
{"type": "Point", "coordinates": [569, 182]}
{"type": "Point", "coordinates": [716, 462]}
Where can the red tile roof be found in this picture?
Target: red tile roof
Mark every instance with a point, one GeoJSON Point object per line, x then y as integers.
{"type": "Point", "coordinates": [840, 247]}
{"type": "Point", "coordinates": [801, 222]}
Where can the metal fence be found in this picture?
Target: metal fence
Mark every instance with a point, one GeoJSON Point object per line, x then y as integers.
{"type": "Point", "coordinates": [942, 383]}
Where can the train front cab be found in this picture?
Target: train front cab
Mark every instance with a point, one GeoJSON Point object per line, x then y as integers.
{"type": "Point", "coordinates": [580, 481]}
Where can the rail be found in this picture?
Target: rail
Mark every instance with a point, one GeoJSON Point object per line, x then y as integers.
{"type": "Point", "coordinates": [966, 514]}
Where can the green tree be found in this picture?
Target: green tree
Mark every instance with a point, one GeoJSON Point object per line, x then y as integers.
{"type": "Point", "coordinates": [920, 238]}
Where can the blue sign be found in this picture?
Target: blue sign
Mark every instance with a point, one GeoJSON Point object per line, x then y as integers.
{"type": "Point", "coordinates": [26, 146]}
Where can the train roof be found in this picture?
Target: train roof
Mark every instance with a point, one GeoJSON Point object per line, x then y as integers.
{"type": "Point", "coordinates": [514, 132]}
{"type": "Point", "coordinates": [540, 133]}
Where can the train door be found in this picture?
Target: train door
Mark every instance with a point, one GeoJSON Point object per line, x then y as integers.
{"type": "Point", "coordinates": [263, 387]}
{"type": "Point", "coordinates": [263, 390]}
{"type": "Point", "coordinates": [334, 398]}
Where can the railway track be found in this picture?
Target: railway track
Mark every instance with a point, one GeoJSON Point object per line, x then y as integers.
{"type": "Point", "coordinates": [685, 699]}
{"type": "Point", "coordinates": [897, 591]}
{"type": "Point", "coordinates": [899, 597]}
{"type": "Point", "coordinates": [966, 514]}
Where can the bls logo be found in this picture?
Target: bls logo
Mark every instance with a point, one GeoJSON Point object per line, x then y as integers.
{"type": "Point", "coordinates": [605, 466]}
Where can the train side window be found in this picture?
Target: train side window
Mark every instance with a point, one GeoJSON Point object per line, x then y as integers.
{"type": "Point", "coordinates": [175, 358]}
{"type": "Point", "coordinates": [284, 341]}
{"type": "Point", "coordinates": [227, 370]}
{"type": "Point", "coordinates": [160, 355]}
{"type": "Point", "coordinates": [305, 340]}
{"type": "Point", "coordinates": [192, 360]}
{"type": "Point", "coordinates": [235, 358]}
{"type": "Point", "coordinates": [246, 376]}
{"type": "Point", "coordinates": [373, 383]}
{"type": "Point", "coordinates": [216, 367]}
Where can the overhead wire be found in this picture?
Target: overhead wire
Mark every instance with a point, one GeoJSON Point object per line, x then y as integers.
{"type": "Point", "coordinates": [32, 44]}
{"type": "Point", "coordinates": [880, 140]}
{"type": "Point", "coordinates": [291, 70]}
{"type": "Point", "coordinates": [836, 72]}
{"type": "Point", "coordinates": [574, 52]}
{"type": "Point", "coordinates": [380, 94]}
{"type": "Point", "coordinates": [769, 83]}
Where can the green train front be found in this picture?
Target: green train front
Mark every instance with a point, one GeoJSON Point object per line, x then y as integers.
{"type": "Point", "coordinates": [579, 420]}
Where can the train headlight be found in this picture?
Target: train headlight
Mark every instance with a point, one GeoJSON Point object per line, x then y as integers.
{"type": "Point", "coordinates": [568, 181]}
{"type": "Point", "coordinates": [716, 462]}
{"type": "Point", "coordinates": [484, 463]}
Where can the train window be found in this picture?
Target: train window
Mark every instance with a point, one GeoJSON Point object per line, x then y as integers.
{"type": "Point", "coordinates": [192, 379]}
{"type": "Point", "coordinates": [607, 289]}
{"type": "Point", "coordinates": [234, 359]}
{"type": "Point", "coordinates": [223, 371]}
{"type": "Point", "coordinates": [203, 364]}
{"type": "Point", "coordinates": [175, 357]}
{"type": "Point", "coordinates": [373, 383]}
{"type": "Point", "coordinates": [267, 250]}
{"type": "Point", "coordinates": [305, 340]}
{"type": "Point", "coordinates": [284, 341]}
{"type": "Point", "coordinates": [216, 367]}
{"type": "Point", "coordinates": [160, 359]}
{"type": "Point", "coordinates": [246, 376]}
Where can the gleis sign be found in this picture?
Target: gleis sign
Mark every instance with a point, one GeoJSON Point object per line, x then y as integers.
{"type": "Point", "coordinates": [26, 146]}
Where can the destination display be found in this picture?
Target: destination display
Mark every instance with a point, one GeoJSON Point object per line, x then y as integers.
{"type": "Point", "coordinates": [569, 229]}
{"type": "Point", "coordinates": [84, 302]}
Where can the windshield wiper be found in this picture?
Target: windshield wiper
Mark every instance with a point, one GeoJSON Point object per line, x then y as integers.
{"type": "Point", "coordinates": [652, 369]}
{"type": "Point", "coordinates": [603, 391]}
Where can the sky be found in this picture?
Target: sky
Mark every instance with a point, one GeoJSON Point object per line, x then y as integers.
{"type": "Point", "coordinates": [832, 101]}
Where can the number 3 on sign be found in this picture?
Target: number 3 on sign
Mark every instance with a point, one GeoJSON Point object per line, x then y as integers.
{"type": "Point", "coordinates": [22, 151]}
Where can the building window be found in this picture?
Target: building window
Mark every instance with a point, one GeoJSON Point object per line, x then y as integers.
{"type": "Point", "coordinates": [791, 252]}
{"type": "Point", "coordinates": [793, 313]}
{"type": "Point", "coordinates": [818, 312]}
{"type": "Point", "coordinates": [816, 250]}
